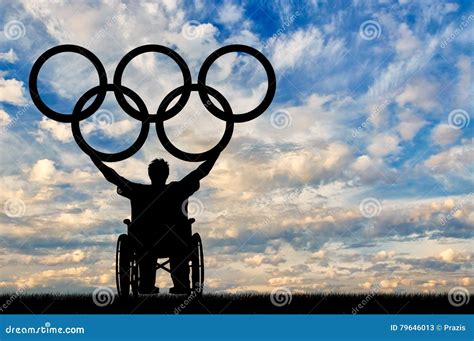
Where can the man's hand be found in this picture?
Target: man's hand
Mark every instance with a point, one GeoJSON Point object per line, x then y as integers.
{"type": "Point", "coordinates": [207, 165]}
{"type": "Point", "coordinates": [203, 170]}
{"type": "Point", "coordinates": [109, 174]}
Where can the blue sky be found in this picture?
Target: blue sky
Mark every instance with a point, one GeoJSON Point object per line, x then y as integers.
{"type": "Point", "coordinates": [358, 175]}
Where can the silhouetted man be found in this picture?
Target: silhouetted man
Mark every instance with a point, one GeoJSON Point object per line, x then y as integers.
{"type": "Point", "coordinates": [160, 219]}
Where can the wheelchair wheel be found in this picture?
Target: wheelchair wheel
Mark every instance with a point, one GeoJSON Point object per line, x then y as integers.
{"type": "Point", "coordinates": [123, 259]}
{"type": "Point", "coordinates": [197, 264]}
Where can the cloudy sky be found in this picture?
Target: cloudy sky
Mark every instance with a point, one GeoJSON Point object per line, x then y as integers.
{"type": "Point", "coordinates": [358, 176]}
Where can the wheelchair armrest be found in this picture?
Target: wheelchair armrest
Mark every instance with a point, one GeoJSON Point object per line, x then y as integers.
{"type": "Point", "coordinates": [127, 222]}
{"type": "Point", "coordinates": [191, 220]}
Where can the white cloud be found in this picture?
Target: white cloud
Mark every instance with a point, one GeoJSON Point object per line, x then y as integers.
{"type": "Point", "coordinates": [76, 256]}
{"type": "Point", "coordinates": [365, 285]}
{"type": "Point", "coordinates": [420, 93]}
{"type": "Point", "coordinates": [258, 260]}
{"type": "Point", "coordinates": [455, 159]}
{"type": "Point", "coordinates": [362, 163]}
{"type": "Point", "coordinates": [43, 171]}
{"type": "Point", "coordinates": [444, 134]}
{"type": "Point", "coordinates": [433, 283]}
{"type": "Point", "coordinates": [389, 284]}
{"type": "Point", "coordinates": [392, 80]}
{"type": "Point", "coordinates": [62, 131]}
{"type": "Point", "coordinates": [407, 42]}
{"type": "Point", "coordinates": [170, 5]}
{"type": "Point", "coordinates": [384, 255]}
{"type": "Point", "coordinates": [465, 86]}
{"type": "Point", "coordinates": [371, 169]}
{"type": "Point", "coordinates": [117, 129]}
{"type": "Point", "coordinates": [318, 254]}
{"type": "Point", "coordinates": [298, 47]}
{"type": "Point", "coordinates": [384, 144]}
{"type": "Point", "coordinates": [449, 256]}
{"type": "Point", "coordinates": [280, 281]}
{"type": "Point", "coordinates": [48, 277]}
{"type": "Point", "coordinates": [307, 165]}
{"type": "Point", "coordinates": [410, 124]}
{"type": "Point", "coordinates": [59, 131]}
{"type": "Point", "coordinates": [5, 119]}
{"type": "Point", "coordinates": [230, 13]}
{"type": "Point", "coordinates": [290, 168]}
{"type": "Point", "coordinates": [9, 56]}
{"type": "Point", "coordinates": [12, 91]}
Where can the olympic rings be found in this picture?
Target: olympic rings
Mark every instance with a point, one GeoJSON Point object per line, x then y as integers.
{"type": "Point", "coordinates": [163, 113]}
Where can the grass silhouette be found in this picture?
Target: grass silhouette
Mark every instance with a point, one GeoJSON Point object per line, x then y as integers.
{"type": "Point", "coordinates": [250, 303]}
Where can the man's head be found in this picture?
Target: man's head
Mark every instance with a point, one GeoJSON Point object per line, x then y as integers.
{"type": "Point", "coordinates": [158, 171]}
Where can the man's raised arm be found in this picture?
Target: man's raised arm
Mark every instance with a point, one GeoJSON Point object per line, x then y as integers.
{"type": "Point", "coordinates": [202, 171]}
{"type": "Point", "coordinates": [110, 174]}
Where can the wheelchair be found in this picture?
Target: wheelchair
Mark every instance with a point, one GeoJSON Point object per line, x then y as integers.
{"type": "Point", "coordinates": [127, 270]}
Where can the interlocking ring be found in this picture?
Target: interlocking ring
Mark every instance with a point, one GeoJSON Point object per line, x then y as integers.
{"type": "Point", "coordinates": [267, 100]}
{"type": "Point", "coordinates": [111, 157]}
{"type": "Point", "coordinates": [33, 83]}
{"type": "Point", "coordinates": [158, 49]}
{"type": "Point", "coordinates": [164, 113]}
{"type": "Point", "coordinates": [229, 127]}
